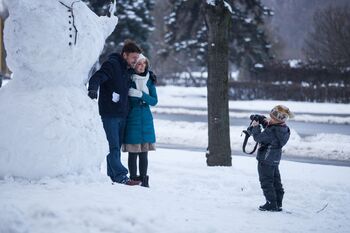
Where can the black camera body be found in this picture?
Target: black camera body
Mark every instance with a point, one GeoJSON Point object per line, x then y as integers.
{"type": "Point", "coordinates": [259, 118]}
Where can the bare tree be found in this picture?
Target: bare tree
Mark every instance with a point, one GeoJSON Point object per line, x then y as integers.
{"type": "Point", "coordinates": [329, 42]}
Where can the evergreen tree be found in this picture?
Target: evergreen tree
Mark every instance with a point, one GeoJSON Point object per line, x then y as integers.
{"type": "Point", "coordinates": [135, 22]}
{"type": "Point", "coordinates": [187, 31]}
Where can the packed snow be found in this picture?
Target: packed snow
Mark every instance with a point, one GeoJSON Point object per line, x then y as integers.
{"type": "Point", "coordinates": [52, 148]}
{"type": "Point", "coordinates": [184, 196]}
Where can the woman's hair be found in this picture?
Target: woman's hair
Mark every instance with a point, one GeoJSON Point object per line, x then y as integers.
{"type": "Point", "coordinates": [153, 77]}
{"type": "Point", "coordinates": [130, 47]}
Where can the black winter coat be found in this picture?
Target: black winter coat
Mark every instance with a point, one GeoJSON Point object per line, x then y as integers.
{"type": "Point", "coordinates": [271, 141]}
{"type": "Point", "coordinates": [113, 76]}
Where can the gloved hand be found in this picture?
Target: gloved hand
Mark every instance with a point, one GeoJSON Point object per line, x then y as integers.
{"type": "Point", "coordinates": [135, 93]}
{"type": "Point", "coordinates": [92, 94]}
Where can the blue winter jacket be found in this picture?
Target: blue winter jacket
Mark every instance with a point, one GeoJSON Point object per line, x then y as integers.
{"type": "Point", "coordinates": [139, 124]}
{"type": "Point", "coordinates": [271, 141]}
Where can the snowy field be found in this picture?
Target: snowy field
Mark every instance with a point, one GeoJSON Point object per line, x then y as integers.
{"type": "Point", "coordinates": [175, 100]}
{"type": "Point", "coordinates": [193, 97]}
{"type": "Point", "coordinates": [185, 196]}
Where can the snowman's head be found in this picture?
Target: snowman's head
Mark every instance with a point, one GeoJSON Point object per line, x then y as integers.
{"type": "Point", "coordinates": [59, 41]}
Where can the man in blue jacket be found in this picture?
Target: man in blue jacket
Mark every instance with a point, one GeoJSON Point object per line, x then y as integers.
{"type": "Point", "coordinates": [113, 81]}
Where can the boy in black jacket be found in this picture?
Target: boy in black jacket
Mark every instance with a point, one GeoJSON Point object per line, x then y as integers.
{"type": "Point", "coordinates": [271, 141]}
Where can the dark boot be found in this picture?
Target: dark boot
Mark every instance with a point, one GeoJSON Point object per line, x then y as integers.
{"type": "Point", "coordinates": [279, 204]}
{"type": "Point", "coordinates": [279, 198]}
{"type": "Point", "coordinates": [144, 181]}
{"type": "Point", "coordinates": [269, 206]}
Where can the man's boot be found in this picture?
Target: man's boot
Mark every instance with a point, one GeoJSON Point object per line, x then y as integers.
{"type": "Point", "coordinates": [269, 206]}
{"type": "Point", "coordinates": [144, 181]}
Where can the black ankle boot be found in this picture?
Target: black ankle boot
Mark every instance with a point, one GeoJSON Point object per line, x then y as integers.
{"type": "Point", "coordinates": [144, 181]}
{"type": "Point", "coordinates": [269, 206]}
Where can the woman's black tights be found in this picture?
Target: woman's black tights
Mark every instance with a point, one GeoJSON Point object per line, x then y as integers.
{"type": "Point", "coordinates": [143, 164]}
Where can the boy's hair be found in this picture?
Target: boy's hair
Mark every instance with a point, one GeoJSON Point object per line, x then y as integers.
{"type": "Point", "coordinates": [130, 47]}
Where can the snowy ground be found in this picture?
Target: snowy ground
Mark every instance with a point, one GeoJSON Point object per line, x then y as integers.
{"type": "Point", "coordinates": [192, 97]}
{"type": "Point", "coordinates": [174, 100]}
{"type": "Point", "coordinates": [185, 196]}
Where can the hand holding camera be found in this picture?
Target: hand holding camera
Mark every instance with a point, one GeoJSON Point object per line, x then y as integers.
{"type": "Point", "coordinates": [254, 123]}
{"type": "Point", "coordinates": [258, 119]}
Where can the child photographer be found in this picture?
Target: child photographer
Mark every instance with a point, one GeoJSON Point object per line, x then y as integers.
{"type": "Point", "coordinates": [271, 141]}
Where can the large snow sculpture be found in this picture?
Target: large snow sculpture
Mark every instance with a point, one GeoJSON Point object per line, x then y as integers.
{"type": "Point", "coordinates": [48, 125]}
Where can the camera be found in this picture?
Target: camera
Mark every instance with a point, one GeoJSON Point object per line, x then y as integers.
{"type": "Point", "coordinates": [262, 121]}
{"type": "Point", "coordinates": [259, 118]}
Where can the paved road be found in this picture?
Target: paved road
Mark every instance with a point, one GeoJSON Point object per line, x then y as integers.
{"type": "Point", "coordinates": [240, 153]}
{"type": "Point", "coordinates": [302, 128]}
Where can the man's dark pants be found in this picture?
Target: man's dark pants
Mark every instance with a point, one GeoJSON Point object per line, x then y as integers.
{"type": "Point", "coordinates": [114, 128]}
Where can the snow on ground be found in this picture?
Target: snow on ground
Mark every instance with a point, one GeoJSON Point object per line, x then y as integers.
{"type": "Point", "coordinates": [331, 119]}
{"type": "Point", "coordinates": [185, 196]}
{"type": "Point", "coordinates": [179, 100]}
{"type": "Point", "coordinates": [195, 134]}
{"type": "Point", "coordinates": [196, 97]}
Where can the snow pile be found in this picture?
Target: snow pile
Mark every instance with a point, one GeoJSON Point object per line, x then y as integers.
{"type": "Point", "coordinates": [48, 124]}
{"type": "Point", "coordinates": [185, 196]}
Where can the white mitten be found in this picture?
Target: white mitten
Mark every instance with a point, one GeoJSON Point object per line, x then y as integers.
{"type": "Point", "coordinates": [135, 93]}
{"type": "Point", "coordinates": [115, 97]}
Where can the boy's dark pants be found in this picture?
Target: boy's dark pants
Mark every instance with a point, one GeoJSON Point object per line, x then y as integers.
{"type": "Point", "coordinates": [270, 181]}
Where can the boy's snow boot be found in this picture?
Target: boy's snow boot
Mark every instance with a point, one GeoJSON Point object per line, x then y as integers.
{"type": "Point", "coordinates": [279, 201]}
{"type": "Point", "coordinates": [279, 205]}
{"type": "Point", "coordinates": [269, 206]}
{"type": "Point", "coordinates": [144, 181]}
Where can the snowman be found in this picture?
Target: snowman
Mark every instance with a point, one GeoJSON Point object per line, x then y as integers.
{"type": "Point", "coordinates": [48, 125]}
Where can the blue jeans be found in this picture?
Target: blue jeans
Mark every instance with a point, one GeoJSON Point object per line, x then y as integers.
{"type": "Point", "coordinates": [114, 128]}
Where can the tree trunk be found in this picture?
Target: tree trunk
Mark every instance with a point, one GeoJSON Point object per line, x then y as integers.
{"type": "Point", "coordinates": [218, 22]}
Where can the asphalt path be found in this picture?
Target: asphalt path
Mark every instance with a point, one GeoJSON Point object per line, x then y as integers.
{"type": "Point", "coordinates": [302, 128]}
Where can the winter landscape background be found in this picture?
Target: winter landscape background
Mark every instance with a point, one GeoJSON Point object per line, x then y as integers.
{"type": "Point", "coordinates": [52, 147]}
